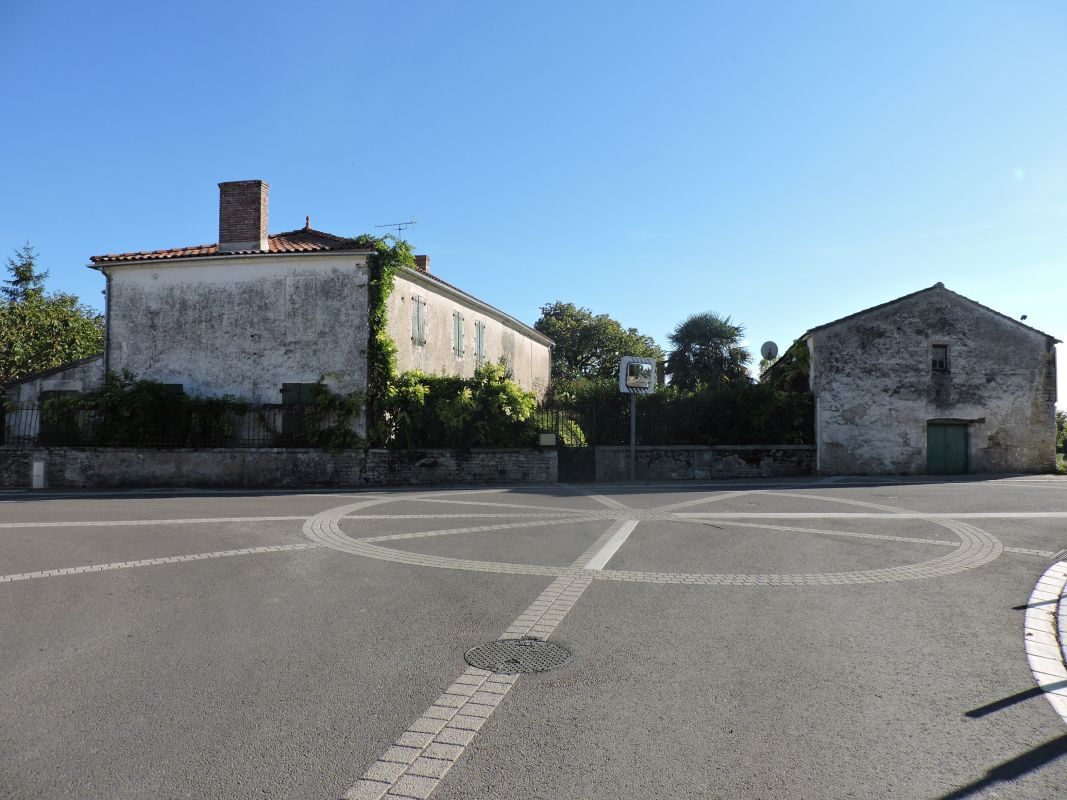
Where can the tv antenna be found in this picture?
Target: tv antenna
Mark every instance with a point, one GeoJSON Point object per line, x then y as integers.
{"type": "Point", "coordinates": [400, 226]}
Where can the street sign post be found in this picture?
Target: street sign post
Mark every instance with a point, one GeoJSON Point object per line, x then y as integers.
{"type": "Point", "coordinates": [636, 376]}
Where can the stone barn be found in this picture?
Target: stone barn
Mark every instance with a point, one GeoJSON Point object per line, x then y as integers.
{"type": "Point", "coordinates": [935, 383]}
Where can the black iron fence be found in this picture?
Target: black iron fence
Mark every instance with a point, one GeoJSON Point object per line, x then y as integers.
{"type": "Point", "coordinates": [250, 426]}
{"type": "Point", "coordinates": [742, 415]}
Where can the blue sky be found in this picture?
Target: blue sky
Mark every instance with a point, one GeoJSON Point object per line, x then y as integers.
{"type": "Point", "coordinates": [782, 163]}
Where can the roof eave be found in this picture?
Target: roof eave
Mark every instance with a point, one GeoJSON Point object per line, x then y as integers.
{"type": "Point", "coordinates": [226, 256]}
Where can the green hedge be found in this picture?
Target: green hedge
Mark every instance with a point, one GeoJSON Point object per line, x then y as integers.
{"type": "Point", "coordinates": [487, 410]}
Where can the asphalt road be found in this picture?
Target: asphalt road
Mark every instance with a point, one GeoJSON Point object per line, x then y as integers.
{"type": "Point", "coordinates": [786, 639]}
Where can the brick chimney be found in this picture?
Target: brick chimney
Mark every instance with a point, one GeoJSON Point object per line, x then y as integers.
{"type": "Point", "coordinates": [243, 215]}
{"type": "Point", "coordinates": [422, 263]}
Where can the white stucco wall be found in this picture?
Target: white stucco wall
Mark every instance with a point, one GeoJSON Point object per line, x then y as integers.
{"type": "Point", "coordinates": [78, 376]}
{"type": "Point", "coordinates": [23, 422]}
{"type": "Point", "coordinates": [526, 352]}
{"type": "Point", "coordinates": [876, 391]}
{"type": "Point", "coordinates": [241, 326]}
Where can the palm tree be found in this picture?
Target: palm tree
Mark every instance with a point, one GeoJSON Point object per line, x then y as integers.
{"type": "Point", "coordinates": [707, 351]}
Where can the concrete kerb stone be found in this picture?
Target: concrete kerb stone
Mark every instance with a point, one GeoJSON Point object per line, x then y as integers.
{"type": "Point", "coordinates": [1045, 635]}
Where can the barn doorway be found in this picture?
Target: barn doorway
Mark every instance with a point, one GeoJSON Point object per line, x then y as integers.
{"type": "Point", "coordinates": [946, 449]}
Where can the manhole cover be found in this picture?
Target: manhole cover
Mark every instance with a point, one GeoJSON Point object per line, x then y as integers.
{"type": "Point", "coordinates": [512, 656]}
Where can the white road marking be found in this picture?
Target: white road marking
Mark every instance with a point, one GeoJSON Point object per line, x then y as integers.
{"type": "Point", "coordinates": [611, 547]}
{"type": "Point", "coordinates": [1045, 627]}
{"type": "Point", "coordinates": [496, 505]}
{"type": "Point", "coordinates": [497, 515]}
{"type": "Point", "coordinates": [151, 562]}
{"type": "Point", "coordinates": [865, 515]}
{"type": "Point", "coordinates": [698, 501]}
{"type": "Point", "coordinates": [134, 522]}
{"type": "Point", "coordinates": [423, 754]}
{"type": "Point", "coordinates": [541, 523]}
{"type": "Point", "coordinates": [910, 539]}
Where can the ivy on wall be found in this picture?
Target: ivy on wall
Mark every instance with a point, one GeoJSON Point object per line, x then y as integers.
{"type": "Point", "coordinates": [390, 254]}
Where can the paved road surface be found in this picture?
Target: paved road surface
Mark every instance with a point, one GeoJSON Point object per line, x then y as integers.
{"type": "Point", "coordinates": [798, 639]}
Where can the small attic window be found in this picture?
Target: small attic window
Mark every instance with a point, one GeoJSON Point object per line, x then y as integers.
{"type": "Point", "coordinates": [939, 357]}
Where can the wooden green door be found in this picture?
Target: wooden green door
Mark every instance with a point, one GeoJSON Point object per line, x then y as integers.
{"type": "Point", "coordinates": [946, 449]}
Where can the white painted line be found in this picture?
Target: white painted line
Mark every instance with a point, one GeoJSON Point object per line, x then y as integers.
{"type": "Point", "coordinates": [498, 515]}
{"type": "Point", "coordinates": [715, 498]}
{"type": "Point", "coordinates": [1045, 648]}
{"type": "Point", "coordinates": [475, 529]}
{"type": "Point", "coordinates": [601, 558]}
{"type": "Point", "coordinates": [880, 515]}
{"type": "Point", "coordinates": [151, 562]}
{"type": "Point", "coordinates": [496, 505]}
{"type": "Point", "coordinates": [134, 522]}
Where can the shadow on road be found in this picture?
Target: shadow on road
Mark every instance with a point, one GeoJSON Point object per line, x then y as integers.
{"type": "Point", "coordinates": [1011, 700]}
{"type": "Point", "coordinates": [1014, 768]}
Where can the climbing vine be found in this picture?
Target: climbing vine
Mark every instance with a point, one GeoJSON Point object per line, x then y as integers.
{"type": "Point", "coordinates": [390, 254]}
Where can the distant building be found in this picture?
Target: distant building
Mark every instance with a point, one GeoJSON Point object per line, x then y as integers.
{"type": "Point", "coordinates": [260, 316]}
{"type": "Point", "coordinates": [931, 382]}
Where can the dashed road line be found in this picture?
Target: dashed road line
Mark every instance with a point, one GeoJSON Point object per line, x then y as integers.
{"type": "Point", "coordinates": [424, 753]}
{"type": "Point", "coordinates": [151, 562]}
{"type": "Point", "coordinates": [1046, 635]}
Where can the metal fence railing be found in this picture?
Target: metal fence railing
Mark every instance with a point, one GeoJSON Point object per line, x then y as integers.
{"type": "Point", "coordinates": [251, 426]}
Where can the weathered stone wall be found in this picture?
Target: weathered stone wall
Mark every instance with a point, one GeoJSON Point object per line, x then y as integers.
{"type": "Point", "coordinates": [98, 468]}
{"type": "Point", "coordinates": [241, 326]}
{"type": "Point", "coordinates": [876, 391]}
{"type": "Point", "coordinates": [689, 463]}
{"type": "Point", "coordinates": [527, 355]}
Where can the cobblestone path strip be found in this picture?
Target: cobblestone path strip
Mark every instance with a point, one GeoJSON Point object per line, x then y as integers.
{"type": "Point", "coordinates": [424, 753]}
{"type": "Point", "coordinates": [152, 562]}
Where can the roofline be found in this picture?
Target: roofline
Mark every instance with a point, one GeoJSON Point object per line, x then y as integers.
{"type": "Point", "coordinates": [937, 285]}
{"type": "Point", "coordinates": [44, 373]}
{"type": "Point", "coordinates": [227, 256]}
{"type": "Point", "coordinates": [431, 281]}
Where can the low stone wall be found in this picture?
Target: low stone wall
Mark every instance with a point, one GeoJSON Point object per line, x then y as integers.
{"type": "Point", "coordinates": [693, 463]}
{"type": "Point", "coordinates": [114, 467]}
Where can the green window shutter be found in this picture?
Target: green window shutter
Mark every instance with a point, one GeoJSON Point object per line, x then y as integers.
{"type": "Point", "coordinates": [457, 334]}
{"type": "Point", "coordinates": [298, 394]}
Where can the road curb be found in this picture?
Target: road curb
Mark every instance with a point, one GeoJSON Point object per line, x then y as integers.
{"type": "Point", "coordinates": [1046, 635]}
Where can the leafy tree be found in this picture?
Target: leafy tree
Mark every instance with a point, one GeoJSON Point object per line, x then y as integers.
{"type": "Point", "coordinates": [590, 345]}
{"type": "Point", "coordinates": [707, 352]}
{"type": "Point", "coordinates": [39, 331]}
{"type": "Point", "coordinates": [1061, 430]}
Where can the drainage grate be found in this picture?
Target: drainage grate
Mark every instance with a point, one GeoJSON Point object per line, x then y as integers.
{"type": "Point", "coordinates": [512, 656]}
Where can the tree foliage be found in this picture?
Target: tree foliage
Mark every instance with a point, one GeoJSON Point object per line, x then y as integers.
{"type": "Point", "coordinates": [590, 345]}
{"type": "Point", "coordinates": [487, 410]}
{"type": "Point", "coordinates": [40, 331]}
{"type": "Point", "coordinates": [707, 352]}
{"type": "Point", "coordinates": [25, 282]}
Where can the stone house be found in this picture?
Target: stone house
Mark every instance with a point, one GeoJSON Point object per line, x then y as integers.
{"type": "Point", "coordinates": [260, 316]}
{"type": "Point", "coordinates": [931, 382]}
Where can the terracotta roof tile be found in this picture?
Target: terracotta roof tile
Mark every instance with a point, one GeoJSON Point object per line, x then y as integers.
{"type": "Point", "coordinates": [302, 240]}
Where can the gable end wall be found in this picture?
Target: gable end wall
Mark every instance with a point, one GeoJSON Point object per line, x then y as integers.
{"type": "Point", "coordinates": [876, 390]}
